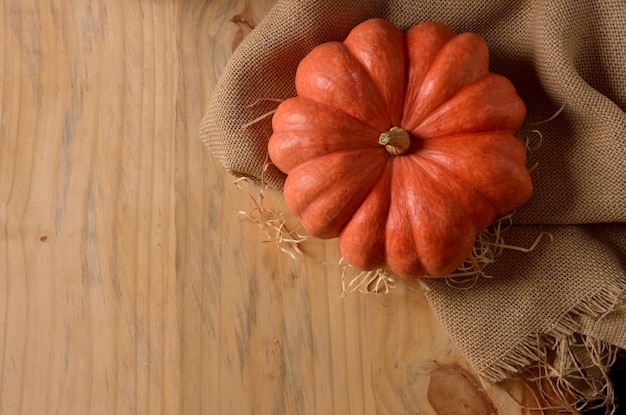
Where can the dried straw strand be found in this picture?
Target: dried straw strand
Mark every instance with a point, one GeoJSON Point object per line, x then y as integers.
{"type": "Point", "coordinates": [378, 281]}
{"type": "Point", "coordinates": [263, 116]}
{"type": "Point", "coordinates": [272, 222]}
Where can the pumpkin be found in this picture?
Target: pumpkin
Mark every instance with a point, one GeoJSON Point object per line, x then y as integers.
{"type": "Point", "coordinates": [401, 145]}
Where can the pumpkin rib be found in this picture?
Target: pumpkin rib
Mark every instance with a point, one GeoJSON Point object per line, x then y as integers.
{"type": "Point", "coordinates": [331, 75]}
{"type": "Point", "coordinates": [470, 188]}
{"type": "Point", "coordinates": [400, 253]}
{"type": "Point", "coordinates": [440, 256]}
{"type": "Point", "coordinates": [379, 47]}
{"type": "Point", "coordinates": [313, 195]}
{"type": "Point", "coordinates": [362, 240]}
{"type": "Point", "coordinates": [293, 142]}
{"type": "Point", "coordinates": [479, 113]}
{"type": "Point", "coordinates": [441, 238]}
{"type": "Point", "coordinates": [437, 150]}
{"type": "Point", "coordinates": [444, 79]}
{"type": "Point", "coordinates": [422, 43]}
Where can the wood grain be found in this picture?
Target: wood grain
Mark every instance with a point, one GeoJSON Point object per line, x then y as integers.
{"type": "Point", "coordinates": [128, 285]}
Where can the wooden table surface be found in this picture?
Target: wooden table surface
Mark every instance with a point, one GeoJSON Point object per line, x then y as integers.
{"type": "Point", "coordinates": [128, 284]}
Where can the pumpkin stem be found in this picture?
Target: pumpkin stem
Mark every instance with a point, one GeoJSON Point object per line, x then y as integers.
{"type": "Point", "coordinates": [396, 141]}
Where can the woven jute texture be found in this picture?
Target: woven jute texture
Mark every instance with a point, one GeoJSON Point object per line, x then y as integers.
{"type": "Point", "coordinates": [558, 53]}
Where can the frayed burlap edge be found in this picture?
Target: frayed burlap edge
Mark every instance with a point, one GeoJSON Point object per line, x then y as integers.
{"type": "Point", "coordinates": [580, 364]}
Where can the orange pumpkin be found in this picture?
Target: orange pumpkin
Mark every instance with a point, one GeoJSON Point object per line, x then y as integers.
{"type": "Point", "coordinates": [402, 145]}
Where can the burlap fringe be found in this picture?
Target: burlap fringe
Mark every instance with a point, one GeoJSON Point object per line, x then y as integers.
{"type": "Point", "coordinates": [570, 370]}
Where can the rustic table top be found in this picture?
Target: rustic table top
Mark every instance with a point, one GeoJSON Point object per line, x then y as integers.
{"type": "Point", "coordinates": [128, 283]}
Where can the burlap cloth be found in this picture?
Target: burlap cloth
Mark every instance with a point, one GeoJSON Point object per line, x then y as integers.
{"type": "Point", "coordinates": [567, 295]}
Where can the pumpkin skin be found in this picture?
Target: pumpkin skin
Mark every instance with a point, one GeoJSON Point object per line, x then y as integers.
{"type": "Point", "coordinates": [414, 206]}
